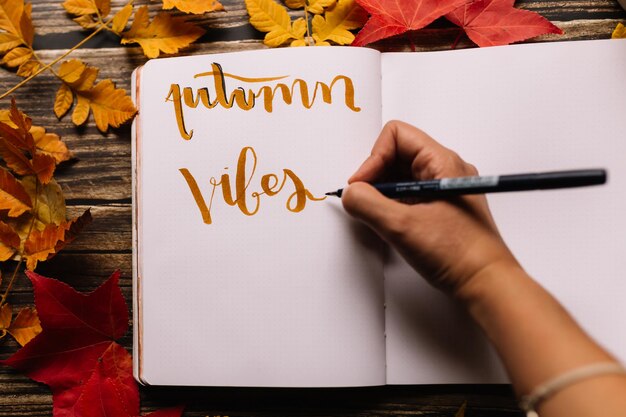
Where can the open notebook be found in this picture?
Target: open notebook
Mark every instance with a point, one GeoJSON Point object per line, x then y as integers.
{"type": "Point", "coordinates": [244, 276]}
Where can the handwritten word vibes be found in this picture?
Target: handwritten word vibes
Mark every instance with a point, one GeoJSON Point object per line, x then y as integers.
{"type": "Point", "coordinates": [249, 203]}
{"type": "Point", "coordinates": [245, 98]}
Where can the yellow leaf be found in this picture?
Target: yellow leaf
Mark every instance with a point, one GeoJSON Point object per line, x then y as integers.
{"type": "Point", "coordinates": [25, 326]}
{"type": "Point", "coordinates": [50, 144]}
{"type": "Point", "coordinates": [8, 41]}
{"type": "Point", "coordinates": [121, 18]}
{"type": "Point", "coordinates": [298, 42]}
{"type": "Point", "coordinates": [193, 6]}
{"type": "Point", "coordinates": [63, 100]}
{"type": "Point", "coordinates": [81, 110]}
{"type": "Point", "coordinates": [70, 71]}
{"type": "Point", "coordinates": [86, 80]}
{"type": "Point", "coordinates": [50, 203]}
{"type": "Point", "coordinates": [26, 25]}
{"type": "Point", "coordinates": [80, 7]}
{"type": "Point", "coordinates": [13, 196]}
{"type": "Point", "coordinates": [164, 34]}
{"type": "Point", "coordinates": [314, 6]}
{"type": "Point", "coordinates": [28, 68]}
{"type": "Point", "coordinates": [86, 21]}
{"type": "Point", "coordinates": [110, 106]}
{"type": "Point", "coordinates": [17, 56]}
{"type": "Point", "coordinates": [10, 15]}
{"type": "Point", "coordinates": [338, 21]}
{"type": "Point", "coordinates": [267, 16]}
{"type": "Point", "coordinates": [619, 32]}
{"type": "Point", "coordinates": [5, 319]}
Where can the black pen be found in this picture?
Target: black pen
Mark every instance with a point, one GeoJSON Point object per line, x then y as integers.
{"type": "Point", "coordinates": [445, 187]}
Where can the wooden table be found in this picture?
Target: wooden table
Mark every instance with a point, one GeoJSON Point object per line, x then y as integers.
{"type": "Point", "coordinates": [100, 178]}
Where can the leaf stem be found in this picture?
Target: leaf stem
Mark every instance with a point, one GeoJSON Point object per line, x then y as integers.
{"type": "Point", "coordinates": [306, 19]}
{"type": "Point", "coordinates": [30, 229]}
{"type": "Point", "coordinates": [45, 67]}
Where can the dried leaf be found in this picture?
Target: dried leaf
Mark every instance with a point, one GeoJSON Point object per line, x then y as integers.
{"type": "Point", "coordinates": [8, 236]}
{"type": "Point", "coordinates": [121, 18]}
{"type": "Point", "coordinates": [110, 106]}
{"type": "Point", "coordinates": [6, 313]}
{"type": "Point", "coordinates": [81, 110]}
{"type": "Point", "coordinates": [50, 202]}
{"type": "Point", "coordinates": [497, 22]}
{"type": "Point", "coordinates": [8, 41]}
{"type": "Point", "coordinates": [193, 6]}
{"type": "Point", "coordinates": [28, 68]}
{"type": "Point", "coordinates": [70, 71]}
{"type": "Point", "coordinates": [314, 6]}
{"type": "Point", "coordinates": [17, 56]}
{"type": "Point", "coordinates": [26, 25]}
{"type": "Point", "coordinates": [41, 245]}
{"type": "Point", "coordinates": [164, 34]}
{"type": "Point", "coordinates": [13, 196]}
{"type": "Point", "coordinates": [619, 32]}
{"type": "Point", "coordinates": [104, 6]}
{"type": "Point", "coordinates": [43, 166]}
{"type": "Point", "coordinates": [336, 24]}
{"type": "Point", "coordinates": [268, 16]}
{"type": "Point", "coordinates": [15, 159]}
{"type": "Point", "coordinates": [391, 17]}
{"type": "Point", "coordinates": [63, 100]}
{"type": "Point", "coordinates": [25, 326]}
{"type": "Point", "coordinates": [10, 15]}
{"type": "Point", "coordinates": [86, 80]}
{"type": "Point", "coordinates": [87, 21]}
{"type": "Point", "coordinates": [50, 144]}
{"type": "Point", "coordinates": [73, 229]}
{"type": "Point", "coordinates": [80, 7]}
{"type": "Point", "coordinates": [461, 411]}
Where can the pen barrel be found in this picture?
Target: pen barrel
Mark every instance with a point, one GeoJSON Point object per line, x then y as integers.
{"type": "Point", "coordinates": [551, 180]}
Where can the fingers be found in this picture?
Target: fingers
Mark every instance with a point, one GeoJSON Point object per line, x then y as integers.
{"type": "Point", "coordinates": [400, 142]}
{"type": "Point", "coordinates": [382, 214]}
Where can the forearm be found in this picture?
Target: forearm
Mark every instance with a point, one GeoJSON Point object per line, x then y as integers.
{"type": "Point", "coordinates": [538, 340]}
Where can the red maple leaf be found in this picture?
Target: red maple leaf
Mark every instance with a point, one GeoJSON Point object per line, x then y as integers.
{"type": "Point", "coordinates": [76, 355]}
{"type": "Point", "coordinates": [497, 22]}
{"type": "Point", "coordinates": [393, 17]}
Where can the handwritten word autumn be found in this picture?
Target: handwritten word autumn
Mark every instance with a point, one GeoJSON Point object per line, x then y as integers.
{"type": "Point", "coordinates": [245, 98]}
{"type": "Point", "coordinates": [249, 203]}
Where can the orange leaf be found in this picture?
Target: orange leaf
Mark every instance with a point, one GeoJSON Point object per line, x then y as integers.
{"type": "Point", "coordinates": [5, 319]}
{"type": "Point", "coordinates": [193, 6]}
{"type": "Point", "coordinates": [8, 41]}
{"type": "Point", "coordinates": [80, 7]}
{"type": "Point", "coordinates": [41, 245]}
{"type": "Point", "coordinates": [43, 166]}
{"type": "Point", "coordinates": [86, 21]}
{"type": "Point", "coordinates": [164, 34]}
{"type": "Point", "coordinates": [15, 159]}
{"type": "Point", "coordinates": [111, 106]}
{"type": "Point", "coordinates": [73, 229]}
{"type": "Point", "coordinates": [63, 100]}
{"type": "Point", "coordinates": [28, 68]}
{"type": "Point", "coordinates": [104, 6]}
{"type": "Point", "coordinates": [50, 144]}
{"type": "Point", "coordinates": [13, 196]}
{"type": "Point", "coordinates": [17, 56]}
{"type": "Point", "coordinates": [10, 15]}
{"type": "Point", "coordinates": [8, 236]}
{"type": "Point", "coordinates": [121, 18]}
{"type": "Point", "coordinates": [70, 71]}
{"type": "Point", "coordinates": [81, 110]}
{"type": "Point", "coordinates": [25, 326]}
{"type": "Point", "coordinates": [26, 25]}
{"type": "Point", "coordinates": [86, 80]}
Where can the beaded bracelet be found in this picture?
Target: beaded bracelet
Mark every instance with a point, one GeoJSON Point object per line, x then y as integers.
{"type": "Point", "coordinates": [528, 403]}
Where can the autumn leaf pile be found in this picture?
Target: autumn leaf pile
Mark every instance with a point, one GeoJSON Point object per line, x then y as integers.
{"type": "Point", "coordinates": [79, 89]}
{"type": "Point", "coordinates": [486, 22]}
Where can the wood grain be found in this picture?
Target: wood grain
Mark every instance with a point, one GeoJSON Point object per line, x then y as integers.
{"type": "Point", "coordinates": [99, 178]}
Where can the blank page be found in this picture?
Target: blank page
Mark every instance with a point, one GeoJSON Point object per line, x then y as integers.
{"type": "Point", "coordinates": [523, 108]}
{"type": "Point", "coordinates": [279, 289]}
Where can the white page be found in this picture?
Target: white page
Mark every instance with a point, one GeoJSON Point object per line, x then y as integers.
{"type": "Point", "coordinates": [518, 109]}
{"type": "Point", "coordinates": [278, 298]}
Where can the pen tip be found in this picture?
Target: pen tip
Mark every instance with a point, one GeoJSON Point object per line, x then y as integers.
{"type": "Point", "coordinates": [332, 193]}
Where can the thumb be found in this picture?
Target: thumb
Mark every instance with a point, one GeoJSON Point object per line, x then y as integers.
{"type": "Point", "coordinates": [382, 214]}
